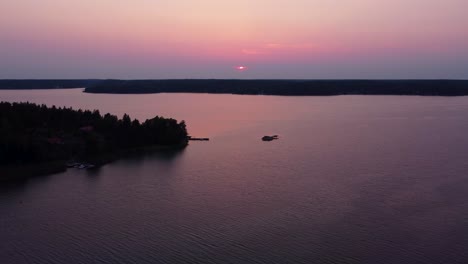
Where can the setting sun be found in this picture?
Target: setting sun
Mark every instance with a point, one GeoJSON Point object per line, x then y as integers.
{"type": "Point", "coordinates": [241, 68]}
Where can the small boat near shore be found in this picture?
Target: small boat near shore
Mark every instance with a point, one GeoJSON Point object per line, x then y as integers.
{"type": "Point", "coordinates": [79, 165]}
{"type": "Point", "coordinates": [72, 164]}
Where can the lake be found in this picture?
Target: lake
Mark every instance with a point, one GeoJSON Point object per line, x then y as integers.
{"type": "Point", "coordinates": [352, 179]}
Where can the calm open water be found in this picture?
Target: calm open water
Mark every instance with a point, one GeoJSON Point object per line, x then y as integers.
{"type": "Point", "coordinates": [353, 179]}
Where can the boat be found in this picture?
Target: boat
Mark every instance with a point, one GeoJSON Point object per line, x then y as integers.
{"type": "Point", "coordinates": [72, 164]}
{"type": "Point", "coordinates": [85, 166]}
{"type": "Point", "coordinates": [269, 138]}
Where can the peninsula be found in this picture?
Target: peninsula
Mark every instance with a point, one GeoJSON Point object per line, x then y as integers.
{"type": "Point", "coordinates": [43, 139]}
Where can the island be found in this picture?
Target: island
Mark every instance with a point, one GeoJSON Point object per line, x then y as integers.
{"type": "Point", "coordinates": [36, 139]}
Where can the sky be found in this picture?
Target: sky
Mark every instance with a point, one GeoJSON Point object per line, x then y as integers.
{"type": "Point", "coordinates": [266, 39]}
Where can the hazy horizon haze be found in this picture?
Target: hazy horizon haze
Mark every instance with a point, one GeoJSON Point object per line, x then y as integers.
{"type": "Point", "coordinates": [298, 39]}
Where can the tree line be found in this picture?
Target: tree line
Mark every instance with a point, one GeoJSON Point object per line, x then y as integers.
{"type": "Point", "coordinates": [14, 84]}
{"type": "Point", "coordinates": [36, 133]}
{"type": "Point", "coordinates": [285, 87]}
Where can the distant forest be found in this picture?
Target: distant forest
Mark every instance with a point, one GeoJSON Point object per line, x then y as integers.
{"type": "Point", "coordinates": [286, 87]}
{"type": "Point", "coordinates": [254, 87]}
{"type": "Point", "coordinates": [31, 133]}
{"type": "Point", "coordinates": [45, 84]}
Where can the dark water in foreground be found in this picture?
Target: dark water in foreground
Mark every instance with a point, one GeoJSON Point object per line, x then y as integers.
{"type": "Point", "coordinates": [353, 179]}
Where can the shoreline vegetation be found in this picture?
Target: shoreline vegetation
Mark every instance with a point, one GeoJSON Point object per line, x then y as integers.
{"type": "Point", "coordinates": [286, 87]}
{"type": "Point", "coordinates": [32, 84]}
{"type": "Point", "coordinates": [253, 87]}
{"type": "Point", "coordinates": [38, 140]}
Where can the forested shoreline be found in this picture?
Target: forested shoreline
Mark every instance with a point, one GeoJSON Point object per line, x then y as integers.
{"type": "Point", "coordinates": [253, 87]}
{"type": "Point", "coordinates": [36, 134]}
{"type": "Point", "coordinates": [32, 84]}
{"type": "Point", "coordinates": [285, 87]}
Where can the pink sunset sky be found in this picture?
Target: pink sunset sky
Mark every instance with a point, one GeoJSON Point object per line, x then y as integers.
{"type": "Point", "coordinates": [311, 39]}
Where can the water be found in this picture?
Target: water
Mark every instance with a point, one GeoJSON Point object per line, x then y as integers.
{"type": "Point", "coordinates": [352, 179]}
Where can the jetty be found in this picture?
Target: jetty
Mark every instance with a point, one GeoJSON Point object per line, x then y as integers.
{"type": "Point", "coordinates": [198, 139]}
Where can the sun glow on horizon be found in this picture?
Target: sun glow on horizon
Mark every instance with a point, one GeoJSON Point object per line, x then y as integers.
{"type": "Point", "coordinates": [241, 68]}
{"type": "Point", "coordinates": [208, 38]}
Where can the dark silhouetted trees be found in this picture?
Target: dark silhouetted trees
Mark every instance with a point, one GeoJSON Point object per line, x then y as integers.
{"type": "Point", "coordinates": [285, 87]}
{"type": "Point", "coordinates": [46, 84]}
{"type": "Point", "coordinates": [36, 133]}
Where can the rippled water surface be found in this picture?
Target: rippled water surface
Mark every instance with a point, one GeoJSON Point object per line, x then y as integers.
{"type": "Point", "coordinates": [352, 179]}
